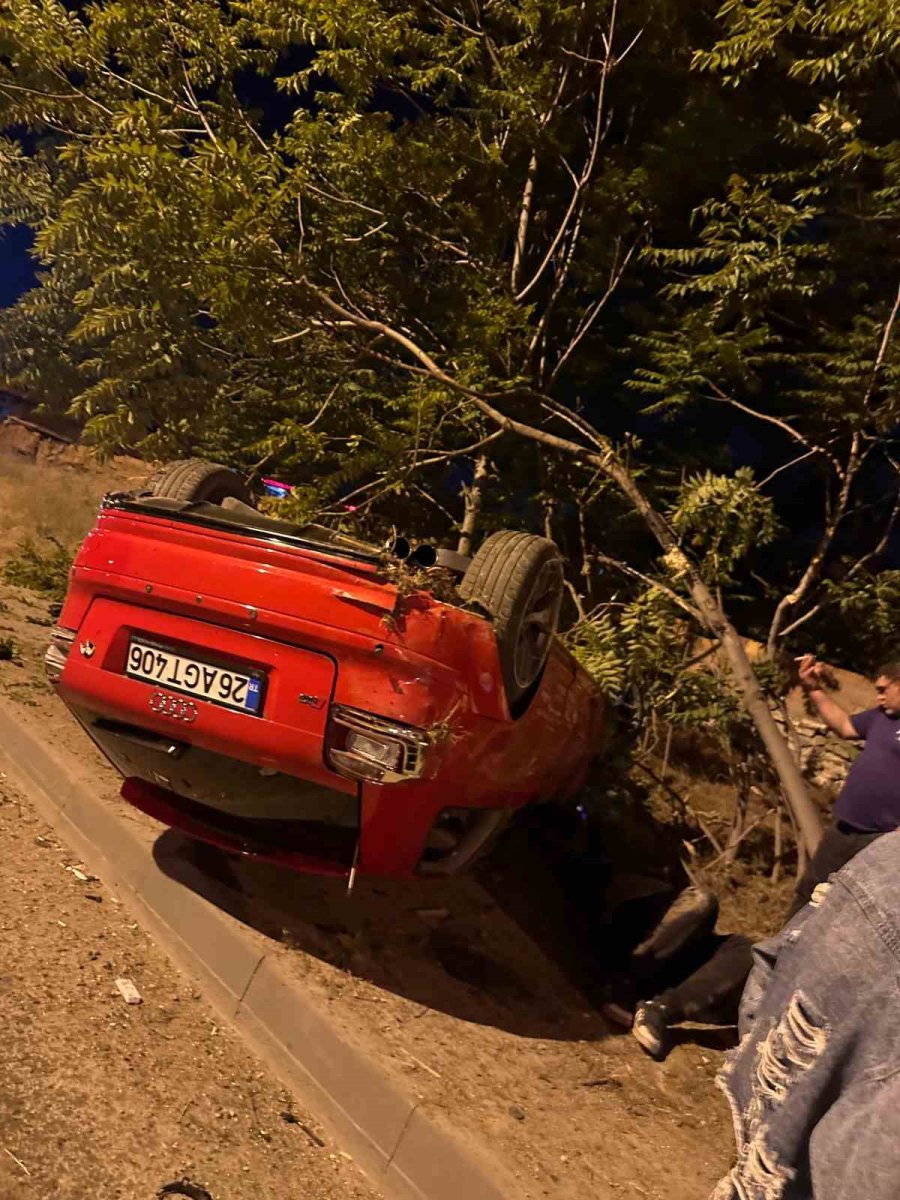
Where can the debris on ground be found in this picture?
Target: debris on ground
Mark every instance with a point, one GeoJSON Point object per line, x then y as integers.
{"type": "Point", "coordinates": [128, 991]}
{"type": "Point", "coordinates": [429, 915]}
{"type": "Point", "coordinates": [17, 1161]}
{"type": "Point", "coordinates": [184, 1187]}
{"type": "Point", "coordinates": [290, 1119]}
{"type": "Point", "coordinates": [82, 876]}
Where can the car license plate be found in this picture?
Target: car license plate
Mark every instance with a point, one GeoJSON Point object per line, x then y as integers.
{"type": "Point", "coordinates": [229, 687]}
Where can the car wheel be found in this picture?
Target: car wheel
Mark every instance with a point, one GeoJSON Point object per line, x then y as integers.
{"type": "Point", "coordinates": [517, 578]}
{"type": "Point", "coordinates": [197, 481]}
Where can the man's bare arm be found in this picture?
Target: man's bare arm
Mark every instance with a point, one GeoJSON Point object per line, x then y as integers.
{"type": "Point", "coordinates": [837, 720]}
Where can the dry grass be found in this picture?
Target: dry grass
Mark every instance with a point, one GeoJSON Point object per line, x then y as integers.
{"type": "Point", "coordinates": [39, 501]}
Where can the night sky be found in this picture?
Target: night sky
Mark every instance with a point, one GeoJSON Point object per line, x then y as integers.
{"type": "Point", "coordinates": [16, 268]}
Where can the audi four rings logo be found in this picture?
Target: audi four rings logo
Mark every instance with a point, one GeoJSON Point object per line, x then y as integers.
{"type": "Point", "coordinates": [174, 707]}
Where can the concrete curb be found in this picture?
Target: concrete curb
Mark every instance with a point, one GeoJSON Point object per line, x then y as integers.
{"type": "Point", "coordinates": [398, 1146]}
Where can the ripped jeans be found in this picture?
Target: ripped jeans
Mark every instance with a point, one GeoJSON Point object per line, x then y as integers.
{"type": "Point", "coordinates": [814, 1086]}
{"type": "Point", "coordinates": [790, 1048]}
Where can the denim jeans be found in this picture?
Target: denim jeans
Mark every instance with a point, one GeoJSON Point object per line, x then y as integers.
{"type": "Point", "coordinates": [839, 844]}
{"type": "Point", "coordinates": [814, 1085]}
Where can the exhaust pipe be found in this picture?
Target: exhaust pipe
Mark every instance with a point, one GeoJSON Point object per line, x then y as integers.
{"type": "Point", "coordinates": [424, 556]}
{"type": "Point", "coordinates": [429, 556]}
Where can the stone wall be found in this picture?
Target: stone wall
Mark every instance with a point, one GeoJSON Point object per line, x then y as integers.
{"type": "Point", "coordinates": [824, 758]}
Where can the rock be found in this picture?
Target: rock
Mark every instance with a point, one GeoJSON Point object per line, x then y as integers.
{"type": "Point", "coordinates": [16, 439]}
{"type": "Point", "coordinates": [128, 991]}
{"type": "Point", "coordinates": [184, 1187]}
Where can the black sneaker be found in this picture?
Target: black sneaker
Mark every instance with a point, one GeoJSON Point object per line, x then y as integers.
{"type": "Point", "coordinates": [650, 1028]}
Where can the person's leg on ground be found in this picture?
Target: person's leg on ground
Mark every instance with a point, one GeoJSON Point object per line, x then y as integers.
{"type": "Point", "coordinates": [681, 923]}
{"type": "Point", "coordinates": [711, 992]}
{"type": "Point", "coordinates": [690, 917]}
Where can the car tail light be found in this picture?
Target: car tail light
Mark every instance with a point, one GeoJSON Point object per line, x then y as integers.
{"type": "Point", "coordinates": [361, 745]}
{"type": "Point", "coordinates": [61, 642]}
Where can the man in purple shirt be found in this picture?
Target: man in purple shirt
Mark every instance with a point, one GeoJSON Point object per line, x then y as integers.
{"type": "Point", "coordinates": [869, 803]}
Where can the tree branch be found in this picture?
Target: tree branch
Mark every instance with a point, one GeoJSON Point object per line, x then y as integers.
{"type": "Point", "coordinates": [882, 349]}
{"type": "Point", "coordinates": [847, 475]}
{"type": "Point", "coordinates": [724, 398]}
{"type": "Point", "coordinates": [561, 279]}
{"type": "Point", "coordinates": [465, 452]}
{"type": "Point", "coordinates": [859, 565]}
{"type": "Point", "coordinates": [472, 498]}
{"type": "Point", "coordinates": [436, 503]}
{"type": "Point", "coordinates": [129, 83]}
{"type": "Point", "coordinates": [594, 311]}
{"type": "Point", "coordinates": [786, 467]}
{"type": "Point", "coordinates": [687, 810]}
{"type": "Point", "coordinates": [307, 329]}
{"type": "Point", "coordinates": [577, 601]}
{"type": "Point", "coordinates": [528, 190]}
{"type": "Point", "coordinates": [70, 96]}
{"type": "Point", "coordinates": [737, 841]}
{"type": "Point", "coordinates": [369, 232]}
{"type": "Point", "coordinates": [588, 170]}
{"type": "Point", "coordinates": [649, 581]}
{"type": "Point", "coordinates": [605, 460]}
{"type": "Point", "coordinates": [524, 219]}
{"type": "Point", "coordinates": [317, 191]}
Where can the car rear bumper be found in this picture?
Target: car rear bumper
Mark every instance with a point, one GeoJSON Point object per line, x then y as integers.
{"type": "Point", "coordinates": [284, 819]}
{"type": "Point", "coordinates": [233, 804]}
{"type": "Point", "coordinates": [301, 848]}
{"type": "Point", "coordinates": [289, 734]}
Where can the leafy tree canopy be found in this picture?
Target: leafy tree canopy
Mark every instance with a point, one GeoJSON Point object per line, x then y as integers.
{"type": "Point", "coordinates": [319, 239]}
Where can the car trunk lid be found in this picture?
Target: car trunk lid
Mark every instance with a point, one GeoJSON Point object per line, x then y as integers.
{"type": "Point", "coordinates": [216, 568]}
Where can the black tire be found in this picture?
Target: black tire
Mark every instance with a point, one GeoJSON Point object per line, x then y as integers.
{"type": "Point", "coordinates": [517, 578]}
{"type": "Point", "coordinates": [197, 481]}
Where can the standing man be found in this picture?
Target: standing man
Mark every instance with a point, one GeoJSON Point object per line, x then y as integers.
{"type": "Point", "coordinates": [869, 802]}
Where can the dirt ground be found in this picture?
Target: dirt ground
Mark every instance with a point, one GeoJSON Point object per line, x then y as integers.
{"type": "Point", "coordinates": [462, 990]}
{"type": "Point", "coordinates": [99, 1098]}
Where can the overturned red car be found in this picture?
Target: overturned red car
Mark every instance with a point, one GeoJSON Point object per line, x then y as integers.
{"type": "Point", "coordinates": [279, 690]}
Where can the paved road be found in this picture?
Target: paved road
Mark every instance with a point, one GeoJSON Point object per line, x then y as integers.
{"type": "Point", "coordinates": [101, 1099]}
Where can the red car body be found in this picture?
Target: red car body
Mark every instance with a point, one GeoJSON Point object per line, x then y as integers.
{"type": "Point", "coordinates": [349, 674]}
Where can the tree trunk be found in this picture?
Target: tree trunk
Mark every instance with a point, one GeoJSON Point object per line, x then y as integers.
{"type": "Point", "coordinates": [472, 496]}
{"type": "Point", "coordinates": [805, 812]}
{"type": "Point", "coordinates": [778, 853]}
{"type": "Point", "coordinates": [739, 776]}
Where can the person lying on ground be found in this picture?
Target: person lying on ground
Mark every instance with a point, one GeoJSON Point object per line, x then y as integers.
{"type": "Point", "coordinates": [682, 970]}
{"type": "Point", "coordinates": [869, 802]}
{"type": "Point", "coordinates": [814, 1085]}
